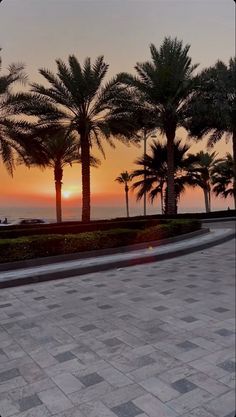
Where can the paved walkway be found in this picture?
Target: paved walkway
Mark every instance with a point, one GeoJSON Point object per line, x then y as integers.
{"type": "Point", "coordinates": [154, 340]}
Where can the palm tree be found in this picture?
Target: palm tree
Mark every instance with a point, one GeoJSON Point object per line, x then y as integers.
{"type": "Point", "coordinates": [125, 178]}
{"type": "Point", "coordinates": [12, 138]}
{"type": "Point", "coordinates": [213, 108]}
{"type": "Point", "coordinates": [223, 178]}
{"type": "Point", "coordinates": [165, 85]}
{"type": "Point", "coordinates": [156, 181]}
{"type": "Point", "coordinates": [201, 172]}
{"type": "Point", "coordinates": [152, 172]}
{"type": "Point", "coordinates": [77, 100]}
{"type": "Point", "coordinates": [58, 149]}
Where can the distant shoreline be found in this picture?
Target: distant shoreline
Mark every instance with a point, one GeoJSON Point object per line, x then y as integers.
{"type": "Point", "coordinates": [98, 212]}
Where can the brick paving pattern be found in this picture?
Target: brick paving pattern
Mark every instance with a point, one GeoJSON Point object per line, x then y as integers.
{"type": "Point", "coordinates": [154, 340]}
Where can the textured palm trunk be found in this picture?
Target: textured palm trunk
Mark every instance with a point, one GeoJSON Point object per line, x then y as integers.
{"type": "Point", "coordinates": [206, 197]}
{"type": "Point", "coordinates": [85, 160]}
{"type": "Point", "coordinates": [209, 198]}
{"type": "Point", "coordinates": [162, 202]}
{"type": "Point", "coordinates": [127, 199]}
{"type": "Point", "coordinates": [234, 159]}
{"type": "Point", "coordinates": [171, 200]}
{"type": "Point", "coordinates": [145, 173]}
{"type": "Point", "coordinates": [58, 174]}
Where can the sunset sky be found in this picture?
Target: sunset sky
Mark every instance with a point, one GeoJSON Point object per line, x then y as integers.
{"type": "Point", "coordinates": [37, 32]}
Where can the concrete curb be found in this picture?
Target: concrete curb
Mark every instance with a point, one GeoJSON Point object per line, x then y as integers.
{"type": "Point", "coordinates": [219, 220]}
{"type": "Point", "coordinates": [70, 269]}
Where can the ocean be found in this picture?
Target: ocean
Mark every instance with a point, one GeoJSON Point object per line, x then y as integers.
{"type": "Point", "coordinates": [74, 213]}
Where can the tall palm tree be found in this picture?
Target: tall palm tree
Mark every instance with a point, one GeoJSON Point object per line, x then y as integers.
{"type": "Point", "coordinates": [125, 178]}
{"type": "Point", "coordinates": [213, 108]}
{"type": "Point", "coordinates": [165, 84]}
{"type": "Point", "coordinates": [78, 100]}
{"type": "Point", "coordinates": [156, 181]}
{"type": "Point", "coordinates": [223, 178]}
{"type": "Point", "coordinates": [12, 138]}
{"type": "Point", "coordinates": [201, 172]}
{"type": "Point", "coordinates": [58, 149]}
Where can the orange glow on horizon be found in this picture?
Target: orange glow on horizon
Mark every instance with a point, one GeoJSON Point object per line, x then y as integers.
{"type": "Point", "coordinates": [34, 187]}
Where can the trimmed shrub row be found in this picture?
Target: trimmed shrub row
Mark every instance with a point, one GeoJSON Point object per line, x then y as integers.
{"type": "Point", "coordinates": [76, 227]}
{"type": "Point", "coordinates": [49, 245]}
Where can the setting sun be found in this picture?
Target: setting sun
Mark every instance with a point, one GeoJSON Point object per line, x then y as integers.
{"type": "Point", "coordinates": [66, 194]}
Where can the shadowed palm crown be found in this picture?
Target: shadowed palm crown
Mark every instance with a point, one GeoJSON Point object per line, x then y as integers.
{"type": "Point", "coordinates": [11, 138]}
{"type": "Point", "coordinates": [77, 100]}
{"type": "Point", "coordinates": [156, 172]}
{"type": "Point", "coordinates": [124, 178]}
{"type": "Point", "coordinates": [203, 167]}
{"type": "Point", "coordinates": [165, 85]}
{"type": "Point", "coordinates": [223, 178]}
{"type": "Point", "coordinates": [213, 109]}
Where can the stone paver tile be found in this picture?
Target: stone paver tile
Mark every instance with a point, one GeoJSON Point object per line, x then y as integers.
{"type": "Point", "coordinates": [154, 407]}
{"type": "Point", "coordinates": [9, 374]}
{"type": "Point", "coordinates": [183, 386]}
{"type": "Point", "coordinates": [65, 367]}
{"type": "Point", "coordinates": [12, 384]}
{"type": "Point", "coordinates": [91, 393]}
{"type": "Point", "coordinates": [209, 384]}
{"type": "Point", "coordinates": [55, 400]}
{"type": "Point", "coordinates": [31, 389]}
{"type": "Point", "coordinates": [190, 400]}
{"type": "Point", "coordinates": [187, 345]}
{"type": "Point", "coordinates": [198, 412]}
{"type": "Point", "coordinates": [72, 412]}
{"type": "Point", "coordinates": [90, 379]}
{"type": "Point", "coordinates": [223, 405]}
{"type": "Point", "coordinates": [67, 383]}
{"type": "Point", "coordinates": [160, 389]}
{"type": "Point", "coordinates": [112, 342]}
{"type": "Point", "coordinates": [122, 395]}
{"type": "Point", "coordinates": [39, 411]}
{"type": "Point", "coordinates": [43, 358]}
{"type": "Point", "coordinates": [27, 403]}
{"type": "Point", "coordinates": [209, 369]}
{"type": "Point", "coordinates": [65, 356]}
{"type": "Point", "coordinates": [221, 355]}
{"type": "Point", "coordinates": [114, 377]}
{"type": "Point", "coordinates": [128, 409]}
{"type": "Point", "coordinates": [229, 380]}
{"type": "Point", "coordinates": [228, 366]}
{"type": "Point", "coordinates": [176, 373]}
{"type": "Point", "coordinates": [7, 407]}
{"type": "Point", "coordinates": [96, 409]}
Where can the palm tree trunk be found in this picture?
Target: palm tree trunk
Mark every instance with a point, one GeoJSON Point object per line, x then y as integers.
{"type": "Point", "coordinates": [206, 197]}
{"type": "Point", "coordinates": [85, 160]}
{"type": "Point", "coordinates": [209, 198]}
{"type": "Point", "coordinates": [234, 159]}
{"type": "Point", "coordinates": [145, 173]}
{"type": "Point", "coordinates": [171, 201]}
{"type": "Point", "coordinates": [162, 201]}
{"type": "Point", "coordinates": [127, 199]}
{"type": "Point", "coordinates": [58, 174]}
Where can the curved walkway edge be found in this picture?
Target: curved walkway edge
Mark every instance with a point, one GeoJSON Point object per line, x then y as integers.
{"type": "Point", "coordinates": [118, 260]}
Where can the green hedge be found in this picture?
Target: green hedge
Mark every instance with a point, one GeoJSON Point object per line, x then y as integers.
{"type": "Point", "coordinates": [11, 232]}
{"type": "Point", "coordinates": [49, 245]}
